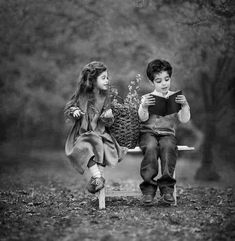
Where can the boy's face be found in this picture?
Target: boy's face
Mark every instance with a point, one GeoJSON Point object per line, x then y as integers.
{"type": "Point", "coordinates": [162, 82]}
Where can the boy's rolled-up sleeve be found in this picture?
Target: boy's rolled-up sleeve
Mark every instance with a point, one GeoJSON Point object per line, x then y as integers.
{"type": "Point", "coordinates": [143, 113]}
{"type": "Point", "coordinates": [184, 114]}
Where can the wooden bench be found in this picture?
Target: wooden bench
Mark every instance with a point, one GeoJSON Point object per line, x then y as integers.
{"type": "Point", "coordinates": [101, 193]}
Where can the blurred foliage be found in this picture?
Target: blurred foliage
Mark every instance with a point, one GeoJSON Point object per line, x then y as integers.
{"type": "Point", "coordinates": [44, 45]}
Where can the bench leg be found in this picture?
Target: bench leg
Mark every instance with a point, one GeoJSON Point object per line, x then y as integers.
{"type": "Point", "coordinates": [102, 198]}
{"type": "Point", "coordinates": [101, 194]}
{"type": "Point", "coordinates": [174, 193]}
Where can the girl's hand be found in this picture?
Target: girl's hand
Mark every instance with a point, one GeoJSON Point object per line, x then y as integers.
{"type": "Point", "coordinates": [107, 117]}
{"type": "Point", "coordinates": [77, 113]}
{"type": "Point", "coordinates": [181, 99]}
{"type": "Point", "coordinates": [108, 114]}
{"type": "Point", "coordinates": [147, 100]}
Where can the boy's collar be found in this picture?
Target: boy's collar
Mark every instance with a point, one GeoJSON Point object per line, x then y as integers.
{"type": "Point", "coordinates": [161, 95]}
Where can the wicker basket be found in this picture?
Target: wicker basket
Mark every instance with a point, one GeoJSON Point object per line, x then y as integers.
{"type": "Point", "coordinates": [126, 126]}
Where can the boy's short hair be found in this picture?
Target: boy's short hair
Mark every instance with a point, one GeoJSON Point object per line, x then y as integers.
{"type": "Point", "coordinates": [156, 66]}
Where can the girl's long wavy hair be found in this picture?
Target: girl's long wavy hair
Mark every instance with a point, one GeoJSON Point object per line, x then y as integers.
{"type": "Point", "coordinates": [86, 83]}
{"type": "Point", "coordinates": [88, 77]}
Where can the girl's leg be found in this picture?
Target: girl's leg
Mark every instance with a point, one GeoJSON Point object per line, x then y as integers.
{"type": "Point", "coordinates": [101, 170]}
{"type": "Point", "coordinates": [94, 169]}
{"type": "Point", "coordinates": [97, 181]}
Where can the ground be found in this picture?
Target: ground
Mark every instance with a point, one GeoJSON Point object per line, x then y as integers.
{"type": "Point", "coordinates": [43, 198]}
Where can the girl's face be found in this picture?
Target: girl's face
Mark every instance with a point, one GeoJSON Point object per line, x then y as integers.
{"type": "Point", "coordinates": [162, 82]}
{"type": "Point", "coordinates": [102, 82]}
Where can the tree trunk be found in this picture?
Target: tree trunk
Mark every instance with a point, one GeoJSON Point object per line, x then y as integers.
{"type": "Point", "coordinates": [207, 171]}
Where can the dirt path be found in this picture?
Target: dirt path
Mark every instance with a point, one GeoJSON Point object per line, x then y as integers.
{"type": "Point", "coordinates": [42, 198]}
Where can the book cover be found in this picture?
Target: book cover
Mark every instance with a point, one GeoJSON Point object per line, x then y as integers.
{"type": "Point", "coordinates": [165, 106]}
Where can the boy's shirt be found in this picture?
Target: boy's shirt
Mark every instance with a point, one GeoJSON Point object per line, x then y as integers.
{"type": "Point", "coordinates": [163, 124]}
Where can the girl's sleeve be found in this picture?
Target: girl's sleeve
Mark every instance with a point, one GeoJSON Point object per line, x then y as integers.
{"type": "Point", "coordinates": [108, 121]}
{"type": "Point", "coordinates": [69, 109]}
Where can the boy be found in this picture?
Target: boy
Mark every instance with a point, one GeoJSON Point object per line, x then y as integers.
{"type": "Point", "coordinates": [157, 138]}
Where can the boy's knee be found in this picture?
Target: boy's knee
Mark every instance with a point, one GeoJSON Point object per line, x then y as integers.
{"type": "Point", "coordinates": [150, 147]}
{"type": "Point", "coordinates": [168, 145]}
{"type": "Point", "coordinates": [169, 149]}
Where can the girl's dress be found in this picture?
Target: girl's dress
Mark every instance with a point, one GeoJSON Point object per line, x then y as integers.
{"type": "Point", "coordinates": [89, 138]}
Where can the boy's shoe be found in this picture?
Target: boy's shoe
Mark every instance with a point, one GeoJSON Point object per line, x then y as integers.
{"type": "Point", "coordinates": [168, 198]}
{"type": "Point", "coordinates": [148, 198]}
{"type": "Point", "coordinates": [95, 184]}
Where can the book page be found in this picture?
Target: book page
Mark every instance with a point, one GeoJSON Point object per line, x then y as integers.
{"type": "Point", "coordinates": [172, 106]}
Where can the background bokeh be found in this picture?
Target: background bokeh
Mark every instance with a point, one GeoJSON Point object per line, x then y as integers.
{"type": "Point", "coordinates": [44, 45]}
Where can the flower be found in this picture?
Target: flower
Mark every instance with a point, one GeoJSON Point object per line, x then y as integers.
{"type": "Point", "coordinates": [132, 98]}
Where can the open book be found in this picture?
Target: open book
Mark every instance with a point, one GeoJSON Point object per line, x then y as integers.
{"type": "Point", "coordinates": [165, 106]}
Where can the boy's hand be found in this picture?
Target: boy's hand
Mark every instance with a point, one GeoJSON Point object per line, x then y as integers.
{"type": "Point", "coordinates": [181, 99]}
{"type": "Point", "coordinates": [147, 100]}
{"type": "Point", "coordinates": [108, 114]}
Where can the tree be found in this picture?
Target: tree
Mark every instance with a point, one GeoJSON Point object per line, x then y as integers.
{"type": "Point", "coordinates": [202, 43]}
{"type": "Point", "coordinates": [212, 44]}
{"type": "Point", "coordinates": [45, 43]}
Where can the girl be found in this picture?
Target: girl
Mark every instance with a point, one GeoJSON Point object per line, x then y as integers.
{"type": "Point", "coordinates": [89, 143]}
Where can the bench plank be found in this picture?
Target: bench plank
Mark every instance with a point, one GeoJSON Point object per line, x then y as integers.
{"type": "Point", "coordinates": [180, 148]}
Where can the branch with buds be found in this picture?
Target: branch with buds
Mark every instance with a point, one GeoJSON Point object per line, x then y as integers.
{"type": "Point", "coordinates": [132, 98]}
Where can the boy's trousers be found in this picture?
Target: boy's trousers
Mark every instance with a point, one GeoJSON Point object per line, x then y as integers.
{"type": "Point", "coordinates": [153, 147]}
